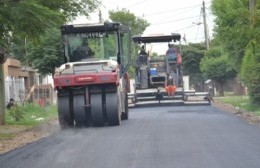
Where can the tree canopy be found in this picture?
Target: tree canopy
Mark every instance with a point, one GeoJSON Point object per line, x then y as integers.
{"type": "Point", "coordinates": [238, 28]}
{"type": "Point", "coordinates": [30, 18]}
{"type": "Point", "coordinates": [216, 66]}
{"type": "Point", "coordinates": [27, 20]}
{"type": "Point", "coordinates": [232, 27]}
{"type": "Point", "coordinates": [191, 58]}
{"type": "Point", "coordinates": [250, 72]}
{"type": "Point", "coordinates": [137, 24]}
{"type": "Point", "coordinates": [39, 44]}
{"type": "Point", "coordinates": [48, 53]}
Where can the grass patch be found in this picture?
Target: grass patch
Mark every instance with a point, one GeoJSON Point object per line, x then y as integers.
{"type": "Point", "coordinates": [32, 114]}
{"type": "Point", "coordinates": [9, 131]}
{"type": "Point", "coordinates": [241, 102]}
{"type": "Point", "coordinates": [6, 136]}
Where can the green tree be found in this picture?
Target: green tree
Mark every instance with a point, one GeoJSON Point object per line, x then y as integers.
{"type": "Point", "coordinates": [137, 25]}
{"type": "Point", "coordinates": [20, 19]}
{"type": "Point", "coordinates": [238, 28]}
{"type": "Point", "coordinates": [29, 19]}
{"type": "Point", "coordinates": [217, 67]}
{"type": "Point", "coordinates": [25, 19]}
{"type": "Point", "coordinates": [191, 58]}
{"type": "Point", "coordinates": [232, 27]}
{"type": "Point", "coordinates": [70, 9]}
{"type": "Point", "coordinates": [47, 54]}
{"type": "Point", "coordinates": [250, 72]}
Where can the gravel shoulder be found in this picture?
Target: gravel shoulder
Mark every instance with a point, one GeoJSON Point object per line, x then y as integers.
{"type": "Point", "coordinates": [18, 136]}
{"type": "Point", "coordinates": [250, 117]}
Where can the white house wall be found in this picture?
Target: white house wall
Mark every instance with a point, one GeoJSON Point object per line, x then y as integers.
{"type": "Point", "coordinates": [13, 88]}
{"type": "Point", "coordinates": [47, 80]}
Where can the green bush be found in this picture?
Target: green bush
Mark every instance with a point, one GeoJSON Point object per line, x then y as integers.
{"type": "Point", "coordinates": [241, 102]}
{"type": "Point", "coordinates": [32, 114]}
{"type": "Point", "coordinates": [16, 112]}
{"type": "Point", "coordinates": [250, 72]}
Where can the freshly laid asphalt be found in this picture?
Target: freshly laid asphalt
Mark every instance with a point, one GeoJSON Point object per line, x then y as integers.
{"type": "Point", "coordinates": [153, 137]}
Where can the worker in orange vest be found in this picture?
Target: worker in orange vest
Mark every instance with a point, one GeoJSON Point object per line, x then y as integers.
{"type": "Point", "coordinates": [170, 87]}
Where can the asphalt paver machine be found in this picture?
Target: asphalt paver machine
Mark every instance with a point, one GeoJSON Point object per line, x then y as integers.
{"type": "Point", "coordinates": [153, 73]}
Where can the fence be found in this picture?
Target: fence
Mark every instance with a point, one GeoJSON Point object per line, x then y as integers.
{"type": "Point", "coordinates": [12, 88]}
{"type": "Point", "coordinates": [15, 88]}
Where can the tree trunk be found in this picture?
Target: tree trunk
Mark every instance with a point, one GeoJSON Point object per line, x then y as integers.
{"type": "Point", "coordinates": [2, 95]}
{"type": "Point", "coordinates": [221, 88]}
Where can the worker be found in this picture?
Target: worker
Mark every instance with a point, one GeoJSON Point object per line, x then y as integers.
{"type": "Point", "coordinates": [83, 52]}
{"type": "Point", "coordinates": [142, 51]}
{"type": "Point", "coordinates": [173, 55]}
{"type": "Point", "coordinates": [86, 50]}
{"type": "Point", "coordinates": [171, 52]}
{"type": "Point", "coordinates": [143, 56]}
{"type": "Point", "coordinates": [169, 86]}
{"type": "Point", "coordinates": [10, 104]}
{"type": "Point", "coordinates": [179, 58]}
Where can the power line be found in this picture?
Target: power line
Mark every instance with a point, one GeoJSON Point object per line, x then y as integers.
{"type": "Point", "coordinates": [198, 26]}
{"type": "Point", "coordinates": [119, 2]}
{"type": "Point", "coordinates": [197, 33]}
{"type": "Point", "coordinates": [176, 9]}
{"type": "Point", "coordinates": [137, 3]}
{"type": "Point", "coordinates": [175, 14]}
{"type": "Point", "coordinates": [167, 11]}
{"type": "Point", "coordinates": [183, 28]}
{"type": "Point", "coordinates": [200, 40]}
{"type": "Point", "coordinates": [176, 20]}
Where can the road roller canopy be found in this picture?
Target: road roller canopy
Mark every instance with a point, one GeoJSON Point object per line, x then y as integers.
{"type": "Point", "coordinates": [106, 41]}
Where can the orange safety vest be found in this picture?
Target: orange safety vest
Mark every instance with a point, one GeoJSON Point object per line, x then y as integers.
{"type": "Point", "coordinates": [178, 58]}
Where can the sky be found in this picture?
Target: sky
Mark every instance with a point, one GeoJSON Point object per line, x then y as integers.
{"type": "Point", "coordinates": [165, 16]}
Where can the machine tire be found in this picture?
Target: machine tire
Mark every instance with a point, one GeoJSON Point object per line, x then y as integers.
{"type": "Point", "coordinates": [97, 115]}
{"type": "Point", "coordinates": [65, 118]}
{"type": "Point", "coordinates": [79, 111]}
{"type": "Point", "coordinates": [113, 108]}
{"type": "Point", "coordinates": [124, 115]}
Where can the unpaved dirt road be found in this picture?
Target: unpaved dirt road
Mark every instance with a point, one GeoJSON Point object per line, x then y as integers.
{"type": "Point", "coordinates": [158, 137]}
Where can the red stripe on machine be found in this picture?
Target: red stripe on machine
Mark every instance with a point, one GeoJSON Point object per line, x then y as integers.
{"type": "Point", "coordinates": [85, 79]}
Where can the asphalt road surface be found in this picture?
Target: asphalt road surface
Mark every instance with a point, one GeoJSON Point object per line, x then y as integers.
{"type": "Point", "coordinates": [157, 137]}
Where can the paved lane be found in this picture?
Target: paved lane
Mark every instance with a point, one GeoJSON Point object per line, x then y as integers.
{"type": "Point", "coordinates": [158, 137]}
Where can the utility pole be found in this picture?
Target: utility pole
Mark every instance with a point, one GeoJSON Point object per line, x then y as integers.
{"type": "Point", "coordinates": [2, 87]}
{"type": "Point", "coordinates": [205, 26]}
{"type": "Point", "coordinates": [101, 39]}
{"type": "Point", "coordinates": [100, 16]}
{"type": "Point", "coordinates": [251, 9]}
{"type": "Point", "coordinates": [2, 96]}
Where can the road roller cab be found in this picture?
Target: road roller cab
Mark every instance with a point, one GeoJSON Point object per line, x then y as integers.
{"type": "Point", "coordinates": [92, 83]}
